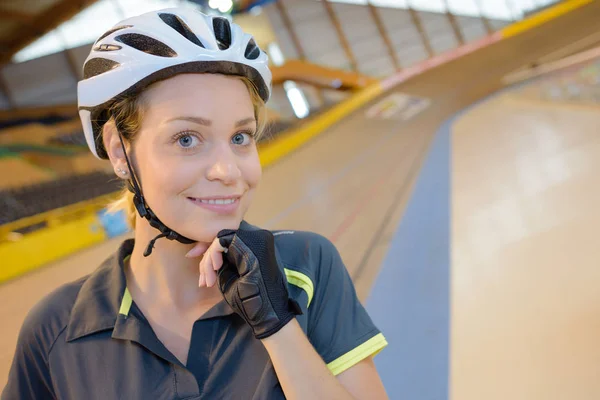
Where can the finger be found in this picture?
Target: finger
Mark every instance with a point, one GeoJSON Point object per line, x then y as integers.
{"type": "Point", "coordinates": [209, 272]}
{"type": "Point", "coordinates": [214, 253]}
{"type": "Point", "coordinates": [218, 256]}
{"type": "Point", "coordinates": [202, 280]}
{"type": "Point", "coordinates": [201, 268]}
{"type": "Point", "coordinates": [197, 251]}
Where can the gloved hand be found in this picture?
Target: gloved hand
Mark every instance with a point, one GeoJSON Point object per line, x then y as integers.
{"type": "Point", "coordinates": [252, 282]}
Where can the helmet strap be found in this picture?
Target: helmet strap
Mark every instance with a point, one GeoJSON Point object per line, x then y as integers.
{"type": "Point", "coordinates": [146, 212]}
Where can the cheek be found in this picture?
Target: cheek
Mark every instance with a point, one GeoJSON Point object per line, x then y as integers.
{"type": "Point", "coordinates": [252, 171]}
{"type": "Point", "coordinates": [169, 175]}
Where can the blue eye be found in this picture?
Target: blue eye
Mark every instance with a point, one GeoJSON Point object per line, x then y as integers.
{"type": "Point", "coordinates": [187, 140]}
{"type": "Point", "coordinates": [242, 139]}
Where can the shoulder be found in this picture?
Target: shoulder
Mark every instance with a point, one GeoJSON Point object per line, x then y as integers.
{"type": "Point", "coordinates": [299, 247]}
{"type": "Point", "coordinates": [308, 253]}
{"type": "Point", "coordinates": [49, 317]}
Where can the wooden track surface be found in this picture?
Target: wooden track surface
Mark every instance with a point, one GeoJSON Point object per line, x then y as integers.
{"type": "Point", "coordinates": [525, 253]}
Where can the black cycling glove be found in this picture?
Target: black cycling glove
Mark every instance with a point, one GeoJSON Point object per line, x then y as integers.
{"type": "Point", "coordinates": [252, 282]}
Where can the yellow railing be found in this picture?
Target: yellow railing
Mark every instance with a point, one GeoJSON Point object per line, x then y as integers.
{"type": "Point", "coordinates": [67, 230]}
{"type": "Point", "coordinates": [8, 232]}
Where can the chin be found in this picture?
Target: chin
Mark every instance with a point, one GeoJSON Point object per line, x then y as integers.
{"type": "Point", "coordinates": [206, 231]}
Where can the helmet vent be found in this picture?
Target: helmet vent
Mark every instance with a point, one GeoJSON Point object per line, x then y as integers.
{"type": "Point", "coordinates": [222, 32]}
{"type": "Point", "coordinates": [146, 44]}
{"type": "Point", "coordinates": [97, 66]}
{"type": "Point", "coordinates": [252, 51]}
{"type": "Point", "coordinates": [176, 23]}
{"type": "Point", "coordinates": [118, 28]}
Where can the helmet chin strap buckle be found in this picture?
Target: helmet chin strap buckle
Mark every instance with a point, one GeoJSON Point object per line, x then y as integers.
{"type": "Point", "coordinates": [165, 232]}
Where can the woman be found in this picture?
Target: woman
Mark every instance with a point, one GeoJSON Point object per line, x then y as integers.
{"type": "Point", "coordinates": [217, 309]}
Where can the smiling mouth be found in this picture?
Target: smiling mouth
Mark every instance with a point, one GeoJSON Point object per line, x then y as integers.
{"type": "Point", "coordinates": [219, 204]}
{"type": "Point", "coordinates": [215, 201]}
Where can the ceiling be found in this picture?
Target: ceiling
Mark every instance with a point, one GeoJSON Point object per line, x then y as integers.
{"type": "Point", "coordinates": [23, 21]}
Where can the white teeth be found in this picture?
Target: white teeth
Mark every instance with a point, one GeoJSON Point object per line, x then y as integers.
{"type": "Point", "coordinates": [220, 201]}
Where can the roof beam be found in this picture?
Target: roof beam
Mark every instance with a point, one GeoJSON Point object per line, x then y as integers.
{"type": "Point", "coordinates": [340, 32]}
{"type": "Point", "coordinates": [384, 35]}
{"type": "Point", "coordinates": [40, 25]}
{"type": "Point", "coordinates": [287, 23]}
{"type": "Point", "coordinates": [486, 22]}
{"type": "Point", "coordinates": [454, 24]}
{"type": "Point", "coordinates": [418, 24]}
{"type": "Point", "coordinates": [6, 92]}
{"type": "Point", "coordinates": [15, 15]}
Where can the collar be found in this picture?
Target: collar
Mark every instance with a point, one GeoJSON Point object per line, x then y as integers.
{"type": "Point", "coordinates": [97, 304]}
{"type": "Point", "coordinates": [104, 303]}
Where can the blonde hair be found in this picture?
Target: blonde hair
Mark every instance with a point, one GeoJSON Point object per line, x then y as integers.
{"type": "Point", "coordinates": [127, 114]}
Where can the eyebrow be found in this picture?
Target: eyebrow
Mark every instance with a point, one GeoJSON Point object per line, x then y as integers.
{"type": "Point", "coordinates": [206, 122]}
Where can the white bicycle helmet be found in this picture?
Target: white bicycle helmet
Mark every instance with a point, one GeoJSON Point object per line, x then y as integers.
{"type": "Point", "coordinates": [154, 46]}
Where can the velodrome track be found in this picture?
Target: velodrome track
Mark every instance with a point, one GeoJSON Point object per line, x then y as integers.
{"type": "Point", "coordinates": [353, 181]}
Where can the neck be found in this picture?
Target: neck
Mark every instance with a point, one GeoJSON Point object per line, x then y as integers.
{"type": "Point", "coordinates": [166, 277]}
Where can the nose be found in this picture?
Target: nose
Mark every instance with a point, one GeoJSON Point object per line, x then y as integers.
{"type": "Point", "coordinates": [224, 166]}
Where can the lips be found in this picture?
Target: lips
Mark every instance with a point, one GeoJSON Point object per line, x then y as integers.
{"type": "Point", "coordinates": [220, 205]}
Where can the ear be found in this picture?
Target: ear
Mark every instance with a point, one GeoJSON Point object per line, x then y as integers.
{"type": "Point", "coordinates": [114, 149]}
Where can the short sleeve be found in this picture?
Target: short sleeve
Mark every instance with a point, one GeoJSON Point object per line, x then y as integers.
{"type": "Point", "coordinates": [339, 327]}
{"type": "Point", "coordinates": [29, 376]}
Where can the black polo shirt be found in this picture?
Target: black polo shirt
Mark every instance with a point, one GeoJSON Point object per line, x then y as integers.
{"type": "Point", "coordinates": [88, 339]}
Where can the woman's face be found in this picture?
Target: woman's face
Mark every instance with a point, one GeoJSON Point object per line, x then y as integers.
{"type": "Point", "coordinates": [195, 154]}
